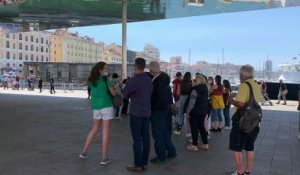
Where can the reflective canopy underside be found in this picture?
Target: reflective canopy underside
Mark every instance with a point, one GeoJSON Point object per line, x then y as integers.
{"type": "Point", "coordinates": [26, 15]}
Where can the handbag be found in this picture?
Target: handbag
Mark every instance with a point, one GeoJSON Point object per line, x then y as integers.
{"type": "Point", "coordinates": [249, 116]}
{"type": "Point", "coordinates": [117, 100]}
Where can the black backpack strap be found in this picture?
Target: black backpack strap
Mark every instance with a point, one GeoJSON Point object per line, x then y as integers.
{"type": "Point", "coordinates": [251, 90]}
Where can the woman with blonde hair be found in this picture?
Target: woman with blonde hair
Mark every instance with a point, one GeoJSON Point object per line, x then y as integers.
{"type": "Point", "coordinates": [196, 111]}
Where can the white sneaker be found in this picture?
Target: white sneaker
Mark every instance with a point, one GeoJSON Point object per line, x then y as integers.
{"type": "Point", "coordinates": [105, 161]}
{"type": "Point", "coordinates": [177, 132]}
{"type": "Point", "coordinates": [188, 135]}
{"type": "Point", "coordinates": [227, 128]}
{"type": "Point", "coordinates": [83, 155]}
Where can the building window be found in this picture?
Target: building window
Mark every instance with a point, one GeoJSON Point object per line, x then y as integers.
{"type": "Point", "coordinates": [7, 35]}
{"type": "Point", "coordinates": [31, 38]}
{"type": "Point", "coordinates": [8, 65]}
{"type": "Point", "coordinates": [46, 50]}
{"type": "Point", "coordinates": [14, 56]}
{"type": "Point", "coordinates": [46, 41]}
{"type": "Point", "coordinates": [20, 65]}
{"type": "Point", "coordinates": [7, 44]}
{"type": "Point", "coordinates": [14, 65]}
{"type": "Point", "coordinates": [31, 47]}
{"type": "Point", "coordinates": [20, 56]}
{"type": "Point", "coordinates": [26, 38]}
{"type": "Point", "coordinates": [42, 58]}
{"type": "Point", "coordinates": [14, 45]}
{"type": "Point", "coordinates": [20, 46]}
{"type": "Point", "coordinates": [20, 36]}
{"type": "Point", "coordinates": [37, 40]}
{"type": "Point", "coordinates": [37, 49]}
{"type": "Point", "coordinates": [42, 40]}
{"type": "Point", "coordinates": [7, 55]}
{"type": "Point", "coordinates": [42, 49]}
{"type": "Point", "coordinates": [37, 58]}
{"type": "Point", "coordinates": [54, 52]}
{"type": "Point", "coordinates": [14, 36]}
{"type": "Point", "coordinates": [31, 58]}
{"type": "Point", "coordinates": [26, 48]}
{"type": "Point", "coordinates": [26, 57]}
{"type": "Point", "coordinates": [46, 59]}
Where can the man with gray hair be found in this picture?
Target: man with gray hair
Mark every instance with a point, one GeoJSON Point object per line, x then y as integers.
{"type": "Point", "coordinates": [238, 139]}
{"type": "Point", "coordinates": [161, 122]}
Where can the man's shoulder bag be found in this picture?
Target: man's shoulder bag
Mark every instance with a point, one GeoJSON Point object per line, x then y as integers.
{"type": "Point", "coordinates": [249, 116]}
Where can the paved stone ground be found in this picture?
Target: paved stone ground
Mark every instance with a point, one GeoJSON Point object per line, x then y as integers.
{"type": "Point", "coordinates": [43, 135]}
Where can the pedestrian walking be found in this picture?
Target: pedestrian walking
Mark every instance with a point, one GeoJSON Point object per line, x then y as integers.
{"type": "Point", "coordinates": [41, 85]}
{"type": "Point", "coordinates": [282, 92]}
{"type": "Point", "coordinates": [52, 90]}
{"type": "Point", "coordinates": [17, 82]}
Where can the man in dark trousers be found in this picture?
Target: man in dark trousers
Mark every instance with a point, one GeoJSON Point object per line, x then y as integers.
{"type": "Point", "coordinates": [41, 85]}
{"type": "Point", "coordinates": [52, 85]}
{"type": "Point", "coordinates": [161, 104]}
{"type": "Point", "coordinates": [18, 83]}
{"type": "Point", "coordinates": [138, 89]}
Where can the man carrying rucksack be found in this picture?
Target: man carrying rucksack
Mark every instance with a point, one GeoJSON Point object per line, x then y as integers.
{"type": "Point", "coordinates": [239, 137]}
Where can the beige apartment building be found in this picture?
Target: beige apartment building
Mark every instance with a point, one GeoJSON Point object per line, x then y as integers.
{"type": "Point", "coordinates": [17, 48]}
{"type": "Point", "coordinates": [67, 47]}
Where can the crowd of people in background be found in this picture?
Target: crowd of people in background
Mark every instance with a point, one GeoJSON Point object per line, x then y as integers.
{"type": "Point", "coordinates": [22, 83]}
{"type": "Point", "coordinates": [7, 2]}
{"type": "Point", "coordinates": [197, 104]}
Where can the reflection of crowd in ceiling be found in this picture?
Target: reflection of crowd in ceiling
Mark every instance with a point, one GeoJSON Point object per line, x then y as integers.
{"type": "Point", "coordinates": [7, 2]}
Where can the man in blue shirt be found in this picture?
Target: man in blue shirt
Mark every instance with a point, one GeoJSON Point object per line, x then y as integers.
{"type": "Point", "coordinates": [139, 89]}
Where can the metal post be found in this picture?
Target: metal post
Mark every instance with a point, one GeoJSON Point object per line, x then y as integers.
{"type": "Point", "coordinates": [124, 38]}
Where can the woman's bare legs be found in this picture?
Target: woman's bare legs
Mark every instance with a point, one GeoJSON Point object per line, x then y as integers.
{"type": "Point", "coordinates": [91, 135]}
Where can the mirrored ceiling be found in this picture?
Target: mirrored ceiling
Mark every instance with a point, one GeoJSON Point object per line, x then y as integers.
{"type": "Point", "coordinates": [26, 15]}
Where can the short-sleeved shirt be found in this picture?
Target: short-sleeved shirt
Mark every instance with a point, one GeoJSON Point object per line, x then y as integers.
{"type": "Point", "coordinates": [100, 96]}
{"type": "Point", "coordinates": [244, 92]}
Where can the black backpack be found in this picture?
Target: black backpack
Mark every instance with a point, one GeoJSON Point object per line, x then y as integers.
{"type": "Point", "coordinates": [249, 116]}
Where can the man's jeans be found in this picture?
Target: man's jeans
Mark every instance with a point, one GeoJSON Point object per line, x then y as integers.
{"type": "Point", "coordinates": [161, 123]}
{"type": "Point", "coordinates": [141, 139]}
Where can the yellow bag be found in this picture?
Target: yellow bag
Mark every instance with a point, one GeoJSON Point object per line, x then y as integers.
{"type": "Point", "coordinates": [217, 102]}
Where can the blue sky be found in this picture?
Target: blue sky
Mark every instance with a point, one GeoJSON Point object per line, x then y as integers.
{"type": "Point", "coordinates": [247, 37]}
